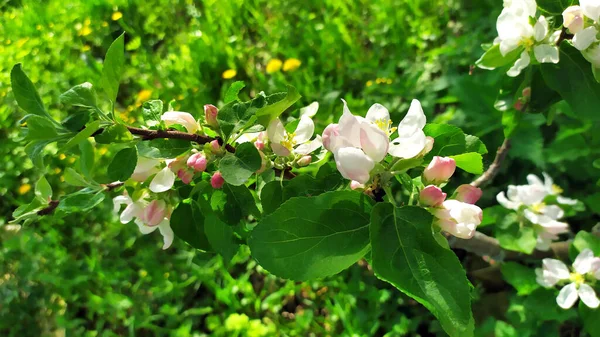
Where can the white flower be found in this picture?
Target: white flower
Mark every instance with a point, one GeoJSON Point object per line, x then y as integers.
{"type": "Point", "coordinates": [163, 180]}
{"type": "Point", "coordinates": [144, 168]}
{"type": "Point", "coordinates": [411, 139]}
{"type": "Point", "coordinates": [573, 19]}
{"type": "Point", "coordinates": [184, 119]}
{"type": "Point", "coordinates": [554, 271]}
{"type": "Point", "coordinates": [518, 196]}
{"type": "Point", "coordinates": [459, 218]}
{"type": "Point", "coordinates": [135, 210]}
{"type": "Point", "coordinates": [591, 9]}
{"type": "Point", "coordinates": [585, 37]}
{"type": "Point", "coordinates": [297, 142]}
{"type": "Point", "coordinates": [550, 187]}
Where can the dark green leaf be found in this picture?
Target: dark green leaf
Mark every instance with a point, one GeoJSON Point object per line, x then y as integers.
{"type": "Point", "coordinates": [233, 203]}
{"type": "Point", "coordinates": [318, 236]}
{"type": "Point", "coordinates": [449, 139]}
{"type": "Point", "coordinates": [554, 7]}
{"type": "Point", "coordinates": [80, 95]}
{"type": "Point", "coordinates": [25, 93]}
{"type": "Point", "coordinates": [405, 253]}
{"type": "Point", "coordinates": [113, 67]}
{"type": "Point", "coordinates": [86, 159]}
{"type": "Point", "coordinates": [584, 240]}
{"type": "Point", "coordinates": [81, 201]}
{"type": "Point", "coordinates": [235, 115]}
{"type": "Point", "coordinates": [122, 165]}
{"type": "Point", "coordinates": [275, 108]}
{"type": "Point", "coordinates": [492, 58]}
{"type": "Point", "coordinates": [237, 168]}
{"type": "Point", "coordinates": [35, 150]}
{"type": "Point", "coordinates": [75, 179]}
{"type": "Point", "coordinates": [41, 128]}
{"type": "Point", "coordinates": [221, 237]}
{"type": "Point", "coordinates": [187, 222]}
{"type": "Point", "coordinates": [152, 110]}
{"type": "Point", "coordinates": [233, 91]}
{"type": "Point", "coordinates": [82, 135]}
{"type": "Point", "coordinates": [76, 121]}
{"type": "Point", "coordinates": [163, 148]}
{"type": "Point", "coordinates": [520, 277]}
{"type": "Point", "coordinates": [474, 144]}
{"type": "Point", "coordinates": [116, 133]}
{"type": "Point", "coordinates": [591, 319]}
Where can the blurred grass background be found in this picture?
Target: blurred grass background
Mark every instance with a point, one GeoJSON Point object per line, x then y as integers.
{"type": "Point", "coordinates": [89, 275]}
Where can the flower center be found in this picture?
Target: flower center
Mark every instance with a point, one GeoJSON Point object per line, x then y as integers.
{"type": "Point", "coordinates": [577, 278]}
{"type": "Point", "coordinates": [288, 142]}
{"type": "Point", "coordinates": [556, 189]}
{"type": "Point", "coordinates": [385, 126]}
{"type": "Point", "coordinates": [538, 207]}
{"type": "Point", "coordinates": [527, 43]}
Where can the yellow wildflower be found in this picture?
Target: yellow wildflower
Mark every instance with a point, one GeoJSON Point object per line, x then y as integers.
{"type": "Point", "coordinates": [102, 151]}
{"type": "Point", "coordinates": [274, 65]}
{"type": "Point", "coordinates": [72, 160]}
{"type": "Point", "coordinates": [104, 24]}
{"type": "Point", "coordinates": [389, 81]}
{"type": "Point", "coordinates": [85, 31]}
{"type": "Point", "coordinates": [87, 22]}
{"type": "Point", "coordinates": [85, 48]}
{"type": "Point", "coordinates": [57, 170]}
{"type": "Point", "coordinates": [24, 188]}
{"type": "Point", "coordinates": [229, 73]}
{"type": "Point", "coordinates": [369, 83]}
{"type": "Point", "coordinates": [144, 95]}
{"type": "Point", "coordinates": [180, 97]}
{"type": "Point", "coordinates": [291, 64]}
{"type": "Point", "coordinates": [116, 16]}
{"type": "Point", "coordinates": [62, 156]}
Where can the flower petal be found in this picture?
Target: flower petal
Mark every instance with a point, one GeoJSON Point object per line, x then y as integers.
{"type": "Point", "coordinates": [143, 228]}
{"type": "Point", "coordinates": [349, 127]}
{"type": "Point", "coordinates": [408, 147]}
{"type": "Point", "coordinates": [502, 200]}
{"type": "Point", "coordinates": [588, 296]}
{"type": "Point", "coordinates": [557, 268]}
{"type": "Point", "coordinates": [413, 122]}
{"type": "Point", "coordinates": [276, 131]}
{"type": "Point", "coordinates": [167, 233]}
{"type": "Point", "coordinates": [567, 296]}
{"type": "Point", "coordinates": [309, 147]}
{"type": "Point", "coordinates": [162, 181]}
{"type": "Point", "coordinates": [373, 141]}
{"type": "Point", "coordinates": [583, 261]}
{"type": "Point", "coordinates": [590, 8]}
{"type": "Point", "coordinates": [540, 29]}
{"type": "Point", "coordinates": [120, 200]}
{"type": "Point", "coordinates": [585, 37]}
{"type": "Point", "coordinates": [304, 130]}
{"type": "Point", "coordinates": [546, 53]}
{"type": "Point", "coordinates": [354, 164]}
{"type": "Point", "coordinates": [310, 110]}
{"type": "Point", "coordinates": [184, 119]}
{"type": "Point", "coordinates": [519, 65]}
{"type": "Point", "coordinates": [280, 150]}
{"type": "Point", "coordinates": [378, 112]}
{"type": "Point", "coordinates": [133, 210]}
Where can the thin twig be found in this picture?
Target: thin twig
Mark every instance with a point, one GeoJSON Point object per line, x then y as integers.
{"type": "Point", "coordinates": [173, 134]}
{"type": "Point", "coordinates": [49, 209]}
{"type": "Point", "coordinates": [491, 172]}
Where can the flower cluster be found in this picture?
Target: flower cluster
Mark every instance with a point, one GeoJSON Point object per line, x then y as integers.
{"type": "Point", "coordinates": [531, 203]}
{"type": "Point", "coordinates": [458, 216]}
{"type": "Point", "coordinates": [586, 270]}
{"type": "Point", "coordinates": [519, 29]}
{"type": "Point", "coordinates": [584, 22]}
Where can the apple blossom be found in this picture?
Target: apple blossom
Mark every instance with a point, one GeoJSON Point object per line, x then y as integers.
{"type": "Point", "coordinates": [354, 185]}
{"type": "Point", "coordinates": [467, 193]}
{"type": "Point", "coordinates": [439, 170]}
{"type": "Point", "coordinates": [573, 19]}
{"type": "Point", "coordinates": [215, 147]}
{"type": "Point", "coordinates": [217, 181]}
{"type": "Point", "coordinates": [550, 187]}
{"type": "Point", "coordinates": [304, 161]}
{"type": "Point", "coordinates": [184, 119]}
{"type": "Point", "coordinates": [458, 218]}
{"type": "Point", "coordinates": [555, 271]}
{"type": "Point", "coordinates": [432, 196]}
{"type": "Point", "coordinates": [591, 9]}
{"type": "Point", "coordinates": [163, 180]}
{"type": "Point", "coordinates": [298, 142]}
{"type": "Point", "coordinates": [210, 114]}
{"type": "Point", "coordinates": [154, 213]}
{"type": "Point", "coordinates": [144, 168]}
{"type": "Point", "coordinates": [198, 162]}
{"type": "Point", "coordinates": [411, 140]}
{"type": "Point", "coordinates": [185, 176]}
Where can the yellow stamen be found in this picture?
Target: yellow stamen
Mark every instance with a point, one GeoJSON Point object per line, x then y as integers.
{"type": "Point", "coordinates": [557, 189]}
{"type": "Point", "coordinates": [538, 207]}
{"type": "Point", "coordinates": [577, 278]}
{"type": "Point", "coordinates": [288, 142]}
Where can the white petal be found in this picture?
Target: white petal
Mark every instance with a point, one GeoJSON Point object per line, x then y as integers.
{"type": "Point", "coordinates": [519, 65]}
{"type": "Point", "coordinates": [310, 110]}
{"type": "Point", "coordinates": [349, 127]}
{"type": "Point", "coordinates": [553, 212]}
{"type": "Point", "coordinates": [543, 243]}
{"type": "Point", "coordinates": [280, 150]}
{"type": "Point", "coordinates": [540, 30]}
{"type": "Point", "coordinates": [309, 147]}
{"type": "Point", "coordinates": [546, 53]}
{"type": "Point", "coordinates": [413, 122]}
{"type": "Point", "coordinates": [548, 182]}
{"type": "Point", "coordinates": [182, 118]}
{"type": "Point", "coordinates": [588, 296]}
{"type": "Point", "coordinates": [133, 210]}
{"type": "Point", "coordinates": [276, 131]}
{"type": "Point", "coordinates": [591, 9]}
{"type": "Point", "coordinates": [374, 141]}
{"type": "Point", "coordinates": [143, 228]}
{"type": "Point", "coordinates": [354, 164]}
{"type": "Point", "coordinates": [120, 200]}
{"type": "Point", "coordinates": [567, 296]}
{"type": "Point", "coordinates": [555, 227]}
{"type": "Point", "coordinates": [162, 181]}
{"type": "Point", "coordinates": [378, 112]}
{"type": "Point", "coordinates": [502, 200]}
{"type": "Point", "coordinates": [584, 38]}
{"type": "Point", "coordinates": [144, 168]}
{"type": "Point", "coordinates": [408, 147]}
{"type": "Point", "coordinates": [304, 130]}
{"type": "Point", "coordinates": [556, 268]}
{"type": "Point", "coordinates": [566, 201]}
{"type": "Point", "coordinates": [583, 261]}
{"type": "Point", "coordinates": [167, 233]}
{"type": "Point", "coordinates": [532, 179]}
{"type": "Point", "coordinates": [508, 45]}
{"type": "Point", "coordinates": [248, 137]}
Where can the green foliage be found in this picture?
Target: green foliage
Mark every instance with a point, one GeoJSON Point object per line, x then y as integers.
{"type": "Point", "coordinates": [520, 277]}
{"type": "Point", "coordinates": [114, 63]}
{"type": "Point", "coordinates": [492, 58]}
{"type": "Point", "coordinates": [238, 167]}
{"type": "Point", "coordinates": [122, 165]}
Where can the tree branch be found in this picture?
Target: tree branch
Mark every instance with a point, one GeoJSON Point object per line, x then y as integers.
{"type": "Point", "coordinates": [49, 209]}
{"type": "Point", "coordinates": [491, 172]}
{"type": "Point", "coordinates": [173, 134]}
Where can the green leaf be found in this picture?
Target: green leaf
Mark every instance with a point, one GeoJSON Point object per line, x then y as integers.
{"type": "Point", "coordinates": [405, 254]}
{"type": "Point", "coordinates": [503, 329]}
{"type": "Point", "coordinates": [233, 91]}
{"type": "Point", "coordinates": [271, 196]}
{"type": "Point", "coordinates": [86, 159]}
{"type": "Point", "coordinates": [471, 162]}
{"type": "Point", "coordinates": [82, 135]}
{"type": "Point", "coordinates": [35, 150]}
{"type": "Point", "coordinates": [492, 215]}
{"type": "Point", "coordinates": [122, 165]}
{"type": "Point", "coordinates": [152, 110]}
{"type": "Point", "coordinates": [187, 222]}
{"type": "Point", "coordinates": [43, 190]}
{"type": "Point", "coordinates": [585, 240]}
{"type": "Point", "coordinates": [163, 148]}
{"type": "Point", "coordinates": [492, 58]}
{"type": "Point", "coordinates": [221, 237]}
{"type": "Point", "coordinates": [80, 95]}
{"type": "Point", "coordinates": [237, 168]}
{"type": "Point", "coordinates": [75, 179]}
{"type": "Point", "coordinates": [235, 115]}
{"type": "Point", "coordinates": [233, 203]}
{"type": "Point", "coordinates": [449, 139]}
{"type": "Point", "coordinates": [591, 319]}
{"type": "Point", "coordinates": [542, 304]}
{"type": "Point", "coordinates": [313, 237]}
{"type": "Point", "coordinates": [25, 93]}
{"type": "Point", "coordinates": [520, 277]}
{"type": "Point", "coordinates": [76, 121]}
{"type": "Point", "coordinates": [80, 201]}
{"type": "Point", "coordinates": [474, 144]}
{"type": "Point", "coordinates": [517, 238]}
{"type": "Point", "coordinates": [554, 7]}
{"type": "Point", "coordinates": [114, 63]}
{"type": "Point", "coordinates": [276, 106]}
{"type": "Point", "coordinates": [41, 128]}
{"type": "Point", "coordinates": [574, 81]}
{"type": "Point", "coordinates": [116, 133]}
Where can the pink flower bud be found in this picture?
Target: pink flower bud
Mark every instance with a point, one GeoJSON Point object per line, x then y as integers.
{"type": "Point", "coordinates": [356, 185]}
{"type": "Point", "coordinates": [573, 19]}
{"type": "Point", "coordinates": [304, 161]}
{"type": "Point", "coordinates": [197, 161]}
{"type": "Point", "coordinates": [469, 194]}
{"type": "Point", "coordinates": [217, 180]}
{"type": "Point", "coordinates": [260, 145]}
{"type": "Point", "coordinates": [432, 196]}
{"type": "Point", "coordinates": [185, 176]}
{"type": "Point", "coordinates": [215, 146]}
{"type": "Point", "coordinates": [332, 130]}
{"type": "Point", "coordinates": [210, 113]}
{"type": "Point", "coordinates": [154, 213]}
{"type": "Point", "coordinates": [439, 170]}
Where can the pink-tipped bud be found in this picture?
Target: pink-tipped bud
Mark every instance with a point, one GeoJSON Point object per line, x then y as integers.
{"type": "Point", "coordinates": [573, 19]}
{"type": "Point", "coordinates": [469, 194]}
{"type": "Point", "coordinates": [210, 113]}
{"type": "Point", "coordinates": [215, 147]}
{"type": "Point", "coordinates": [356, 185]}
{"type": "Point", "coordinates": [439, 170]}
{"type": "Point", "coordinates": [304, 161]}
{"type": "Point", "coordinates": [154, 213]}
{"type": "Point", "coordinates": [185, 176]}
{"type": "Point", "coordinates": [332, 130]}
{"type": "Point", "coordinates": [197, 161]}
{"type": "Point", "coordinates": [217, 180]}
{"type": "Point", "coordinates": [260, 145]}
{"type": "Point", "coordinates": [432, 196]}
